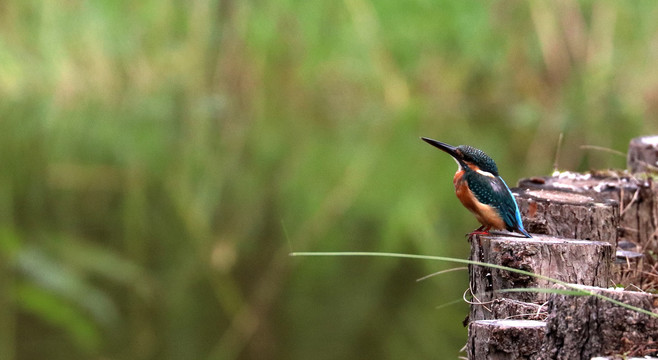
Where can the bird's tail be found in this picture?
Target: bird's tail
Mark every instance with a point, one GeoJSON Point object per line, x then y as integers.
{"type": "Point", "coordinates": [522, 231]}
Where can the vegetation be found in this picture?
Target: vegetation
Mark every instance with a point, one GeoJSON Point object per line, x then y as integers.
{"type": "Point", "coordinates": [160, 159]}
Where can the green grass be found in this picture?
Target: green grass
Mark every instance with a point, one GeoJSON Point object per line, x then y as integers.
{"type": "Point", "coordinates": [152, 153]}
{"type": "Point", "coordinates": [568, 288]}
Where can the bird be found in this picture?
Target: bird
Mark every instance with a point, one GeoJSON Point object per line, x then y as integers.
{"type": "Point", "coordinates": [481, 190]}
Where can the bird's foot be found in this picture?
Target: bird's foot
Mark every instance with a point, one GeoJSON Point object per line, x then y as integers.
{"type": "Point", "coordinates": [478, 233]}
{"type": "Point", "coordinates": [482, 230]}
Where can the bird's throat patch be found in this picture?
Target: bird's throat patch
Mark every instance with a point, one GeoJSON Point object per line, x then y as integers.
{"type": "Point", "coordinates": [480, 171]}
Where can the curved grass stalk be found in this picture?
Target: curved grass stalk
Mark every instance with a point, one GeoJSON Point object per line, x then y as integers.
{"type": "Point", "coordinates": [575, 290]}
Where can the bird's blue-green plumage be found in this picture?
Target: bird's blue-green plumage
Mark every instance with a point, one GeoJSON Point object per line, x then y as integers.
{"type": "Point", "coordinates": [493, 191]}
{"type": "Point", "coordinates": [479, 158]}
{"type": "Point", "coordinates": [480, 173]}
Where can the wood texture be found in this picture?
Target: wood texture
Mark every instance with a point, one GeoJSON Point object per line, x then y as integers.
{"type": "Point", "coordinates": [505, 339]}
{"type": "Point", "coordinates": [569, 215]}
{"type": "Point", "coordinates": [581, 327]}
{"type": "Point", "coordinates": [643, 154]}
{"type": "Point", "coordinates": [586, 219]}
{"type": "Point", "coordinates": [636, 216]}
{"type": "Point", "coordinates": [573, 261]}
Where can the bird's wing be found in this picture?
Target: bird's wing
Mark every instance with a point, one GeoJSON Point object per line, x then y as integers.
{"type": "Point", "coordinates": [493, 191]}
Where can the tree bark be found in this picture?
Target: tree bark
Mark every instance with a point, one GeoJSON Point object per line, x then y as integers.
{"type": "Point", "coordinates": [579, 222]}
{"type": "Point", "coordinates": [569, 215]}
{"type": "Point", "coordinates": [636, 216]}
{"type": "Point", "coordinates": [504, 339]}
{"type": "Point", "coordinates": [580, 327]}
{"type": "Point", "coordinates": [573, 261]}
{"type": "Point", "coordinates": [643, 154]}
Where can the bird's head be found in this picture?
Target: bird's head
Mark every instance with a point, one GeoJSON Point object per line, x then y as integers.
{"type": "Point", "coordinates": [467, 156]}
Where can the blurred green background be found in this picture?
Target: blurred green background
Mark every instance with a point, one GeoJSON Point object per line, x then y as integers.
{"type": "Point", "coordinates": [160, 159]}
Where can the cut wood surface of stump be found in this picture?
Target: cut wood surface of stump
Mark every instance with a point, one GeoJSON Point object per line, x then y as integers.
{"type": "Point", "coordinates": [569, 215]}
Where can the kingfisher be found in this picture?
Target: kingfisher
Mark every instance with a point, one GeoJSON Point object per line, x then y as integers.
{"type": "Point", "coordinates": [481, 190]}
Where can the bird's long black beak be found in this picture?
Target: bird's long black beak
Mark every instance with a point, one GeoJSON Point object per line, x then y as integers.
{"type": "Point", "coordinates": [451, 150]}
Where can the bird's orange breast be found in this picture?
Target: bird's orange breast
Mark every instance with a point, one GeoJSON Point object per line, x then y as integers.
{"type": "Point", "coordinates": [486, 214]}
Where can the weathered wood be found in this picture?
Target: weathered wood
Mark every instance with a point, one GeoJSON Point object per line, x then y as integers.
{"type": "Point", "coordinates": [639, 216]}
{"type": "Point", "coordinates": [573, 261]}
{"type": "Point", "coordinates": [624, 357]}
{"type": "Point", "coordinates": [643, 154]}
{"type": "Point", "coordinates": [504, 339]}
{"type": "Point", "coordinates": [505, 308]}
{"type": "Point", "coordinates": [612, 213]}
{"type": "Point", "coordinates": [569, 215]}
{"type": "Point", "coordinates": [636, 198]}
{"type": "Point", "coordinates": [581, 327]}
{"type": "Point", "coordinates": [638, 210]}
{"type": "Point", "coordinates": [628, 268]}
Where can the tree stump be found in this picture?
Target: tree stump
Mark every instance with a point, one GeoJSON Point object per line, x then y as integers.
{"type": "Point", "coordinates": [504, 339]}
{"type": "Point", "coordinates": [586, 218]}
{"type": "Point", "coordinates": [643, 154]}
{"type": "Point", "coordinates": [637, 218]}
{"type": "Point", "coordinates": [623, 357]}
{"type": "Point", "coordinates": [569, 215]}
{"type": "Point", "coordinates": [635, 196]}
{"type": "Point", "coordinates": [581, 327]}
{"type": "Point", "coordinates": [502, 307]}
{"type": "Point", "coordinates": [572, 261]}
